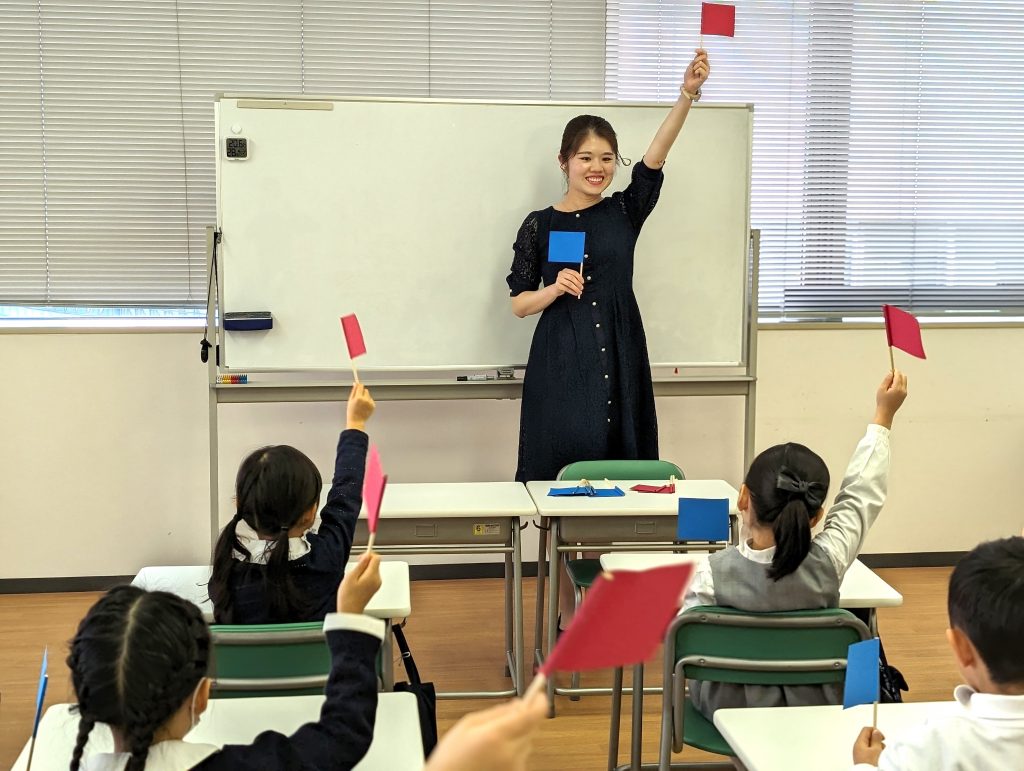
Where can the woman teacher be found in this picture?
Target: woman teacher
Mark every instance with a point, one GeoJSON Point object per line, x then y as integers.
{"type": "Point", "coordinates": [588, 392]}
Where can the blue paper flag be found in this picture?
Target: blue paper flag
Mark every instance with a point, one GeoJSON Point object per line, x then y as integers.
{"type": "Point", "coordinates": [566, 246]}
{"type": "Point", "coordinates": [41, 692]}
{"type": "Point", "coordinates": [862, 681]}
{"type": "Point", "coordinates": [590, 492]}
{"type": "Point", "coordinates": [703, 519]}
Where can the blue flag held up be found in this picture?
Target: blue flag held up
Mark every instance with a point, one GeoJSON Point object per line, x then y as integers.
{"type": "Point", "coordinates": [566, 246]}
{"type": "Point", "coordinates": [703, 519]}
{"type": "Point", "coordinates": [44, 677]}
{"type": "Point", "coordinates": [862, 681]}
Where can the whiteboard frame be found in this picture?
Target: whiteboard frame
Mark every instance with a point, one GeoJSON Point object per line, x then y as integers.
{"type": "Point", "coordinates": [749, 309]}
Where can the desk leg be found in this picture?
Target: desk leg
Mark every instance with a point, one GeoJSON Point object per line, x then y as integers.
{"type": "Point", "coordinates": [387, 661]}
{"type": "Point", "coordinates": [517, 608]}
{"type": "Point", "coordinates": [542, 570]}
{"type": "Point", "coordinates": [636, 740]}
{"type": "Point", "coordinates": [613, 731]}
{"type": "Point", "coordinates": [508, 612]}
{"type": "Point", "coordinates": [553, 566]}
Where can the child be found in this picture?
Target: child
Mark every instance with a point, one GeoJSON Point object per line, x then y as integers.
{"type": "Point", "coordinates": [138, 663]}
{"type": "Point", "coordinates": [274, 562]}
{"type": "Point", "coordinates": [986, 619]}
{"type": "Point", "coordinates": [780, 567]}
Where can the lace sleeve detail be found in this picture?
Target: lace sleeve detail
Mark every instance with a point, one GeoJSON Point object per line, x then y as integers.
{"type": "Point", "coordinates": [639, 198]}
{"type": "Point", "coordinates": [525, 271]}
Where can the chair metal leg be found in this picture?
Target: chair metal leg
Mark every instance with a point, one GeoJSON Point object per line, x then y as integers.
{"type": "Point", "coordinates": [667, 700]}
{"type": "Point", "coordinates": [508, 612]}
{"type": "Point", "coordinates": [552, 606]}
{"type": "Point", "coordinates": [636, 740]}
{"type": "Point", "coordinates": [613, 731]}
{"type": "Point", "coordinates": [542, 571]}
{"type": "Point", "coordinates": [574, 682]}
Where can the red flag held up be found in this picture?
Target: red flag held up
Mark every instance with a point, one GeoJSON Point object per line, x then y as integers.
{"type": "Point", "coordinates": [353, 335]}
{"type": "Point", "coordinates": [373, 488]}
{"type": "Point", "coordinates": [717, 19]}
{"type": "Point", "coordinates": [902, 331]}
{"type": "Point", "coordinates": [622, 619]}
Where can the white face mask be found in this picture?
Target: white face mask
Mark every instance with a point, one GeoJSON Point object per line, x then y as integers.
{"type": "Point", "coordinates": [193, 718]}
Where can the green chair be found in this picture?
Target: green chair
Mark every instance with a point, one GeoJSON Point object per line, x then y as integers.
{"type": "Point", "coordinates": [583, 572]}
{"type": "Point", "coordinates": [725, 645]}
{"type": "Point", "coordinates": [268, 660]}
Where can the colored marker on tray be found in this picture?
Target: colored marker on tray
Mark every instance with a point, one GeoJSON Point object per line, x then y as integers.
{"type": "Point", "coordinates": [232, 379]}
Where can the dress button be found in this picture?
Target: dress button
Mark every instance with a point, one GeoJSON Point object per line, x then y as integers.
{"type": "Point", "coordinates": [609, 420]}
{"type": "Point", "coordinates": [594, 303]}
{"type": "Point", "coordinates": [586, 256]}
{"type": "Point", "coordinates": [577, 215]}
{"type": "Point", "coordinates": [597, 325]}
{"type": "Point", "coordinates": [588, 278]}
{"type": "Point", "coordinates": [609, 401]}
{"type": "Point", "coordinates": [602, 350]}
{"type": "Point", "coordinates": [605, 377]}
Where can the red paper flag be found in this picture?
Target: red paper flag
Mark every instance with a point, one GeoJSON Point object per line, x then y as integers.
{"type": "Point", "coordinates": [373, 487]}
{"type": "Point", "coordinates": [717, 19]}
{"type": "Point", "coordinates": [902, 331]}
{"type": "Point", "coordinates": [353, 335]}
{"type": "Point", "coordinates": [622, 619]}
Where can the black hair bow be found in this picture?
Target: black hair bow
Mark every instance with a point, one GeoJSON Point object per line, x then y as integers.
{"type": "Point", "coordinates": [813, 492]}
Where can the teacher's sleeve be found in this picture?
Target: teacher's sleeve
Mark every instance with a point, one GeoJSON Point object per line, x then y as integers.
{"type": "Point", "coordinates": [639, 198]}
{"type": "Point", "coordinates": [525, 273]}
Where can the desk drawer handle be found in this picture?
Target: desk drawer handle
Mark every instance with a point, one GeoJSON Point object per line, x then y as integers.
{"type": "Point", "coordinates": [426, 531]}
{"type": "Point", "coordinates": [645, 528]}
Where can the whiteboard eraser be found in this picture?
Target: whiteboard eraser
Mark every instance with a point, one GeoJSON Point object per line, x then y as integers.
{"type": "Point", "coordinates": [249, 321]}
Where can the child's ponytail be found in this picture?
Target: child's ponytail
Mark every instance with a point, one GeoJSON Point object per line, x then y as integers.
{"type": "Point", "coordinates": [787, 486]}
{"type": "Point", "coordinates": [222, 562]}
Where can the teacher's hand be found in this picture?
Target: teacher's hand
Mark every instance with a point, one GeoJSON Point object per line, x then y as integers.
{"type": "Point", "coordinates": [570, 281]}
{"type": "Point", "coordinates": [697, 72]}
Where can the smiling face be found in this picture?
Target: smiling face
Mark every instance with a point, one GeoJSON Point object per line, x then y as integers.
{"type": "Point", "coordinates": [591, 168]}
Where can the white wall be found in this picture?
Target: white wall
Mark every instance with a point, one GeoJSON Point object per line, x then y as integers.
{"type": "Point", "coordinates": [104, 454]}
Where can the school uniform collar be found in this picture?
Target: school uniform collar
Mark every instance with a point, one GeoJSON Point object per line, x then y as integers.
{"type": "Point", "coordinates": [297, 546]}
{"type": "Point", "coordinates": [763, 556]}
{"type": "Point", "coordinates": [989, 706]}
{"type": "Point", "coordinates": [173, 753]}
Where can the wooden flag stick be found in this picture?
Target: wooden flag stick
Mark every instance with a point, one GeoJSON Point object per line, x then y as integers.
{"type": "Point", "coordinates": [536, 684]}
{"type": "Point", "coordinates": [355, 372]}
{"type": "Point", "coordinates": [369, 542]}
{"type": "Point", "coordinates": [874, 716]}
{"type": "Point", "coordinates": [580, 295]}
{"type": "Point", "coordinates": [892, 361]}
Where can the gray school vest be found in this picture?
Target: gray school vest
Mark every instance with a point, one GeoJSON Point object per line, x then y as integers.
{"type": "Point", "coordinates": [743, 584]}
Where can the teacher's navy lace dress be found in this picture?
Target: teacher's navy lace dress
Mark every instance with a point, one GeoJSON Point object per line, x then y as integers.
{"type": "Point", "coordinates": [588, 393]}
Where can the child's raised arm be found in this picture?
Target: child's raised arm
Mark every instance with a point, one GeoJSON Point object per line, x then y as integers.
{"type": "Point", "coordinates": [866, 481]}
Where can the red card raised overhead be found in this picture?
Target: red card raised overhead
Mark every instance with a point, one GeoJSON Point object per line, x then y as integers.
{"type": "Point", "coordinates": [353, 336]}
{"type": "Point", "coordinates": [717, 19]}
{"type": "Point", "coordinates": [622, 619]}
{"type": "Point", "coordinates": [373, 488]}
{"type": "Point", "coordinates": [903, 331]}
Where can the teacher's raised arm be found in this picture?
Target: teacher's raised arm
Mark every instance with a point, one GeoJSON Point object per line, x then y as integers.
{"type": "Point", "coordinates": [696, 73]}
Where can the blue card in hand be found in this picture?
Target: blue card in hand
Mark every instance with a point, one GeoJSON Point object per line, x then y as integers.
{"type": "Point", "coordinates": [566, 246]}
{"type": "Point", "coordinates": [41, 691]}
{"type": "Point", "coordinates": [703, 519]}
{"type": "Point", "coordinates": [862, 678]}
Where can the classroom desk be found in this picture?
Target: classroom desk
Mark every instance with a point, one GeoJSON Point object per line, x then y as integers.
{"type": "Point", "coordinates": [581, 523]}
{"type": "Point", "coordinates": [816, 738]}
{"type": "Point", "coordinates": [397, 744]}
{"type": "Point", "coordinates": [391, 602]}
{"type": "Point", "coordinates": [861, 588]}
{"type": "Point", "coordinates": [462, 518]}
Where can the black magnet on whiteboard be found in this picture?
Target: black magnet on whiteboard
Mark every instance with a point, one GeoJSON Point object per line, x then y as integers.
{"type": "Point", "coordinates": [249, 321]}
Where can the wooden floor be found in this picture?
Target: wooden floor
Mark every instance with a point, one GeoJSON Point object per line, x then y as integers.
{"type": "Point", "coordinates": [470, 612]}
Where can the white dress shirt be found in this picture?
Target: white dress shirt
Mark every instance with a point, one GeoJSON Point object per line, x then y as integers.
{"type": "Point", "coordinates": [987, 734]}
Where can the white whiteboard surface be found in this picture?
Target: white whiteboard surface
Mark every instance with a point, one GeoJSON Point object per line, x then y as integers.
{"type": "Point", "coordinates": [404, 212]}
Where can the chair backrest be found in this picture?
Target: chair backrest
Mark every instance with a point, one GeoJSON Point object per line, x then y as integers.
{"type": "Point", "coordinates": [730, 646]}
{"type": "Point", "coordinates": [621, 469]}
{"type": "Point", "coordinates": [268, 660]}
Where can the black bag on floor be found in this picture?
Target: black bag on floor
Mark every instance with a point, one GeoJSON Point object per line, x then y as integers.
{"type": "Point", "coordinates": [892, 680]}
{"type": "Point", "coordinates": [426, 695]}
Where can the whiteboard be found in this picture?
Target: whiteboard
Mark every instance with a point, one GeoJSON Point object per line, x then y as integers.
{"type": "Point", "coordinates": [404, 213]}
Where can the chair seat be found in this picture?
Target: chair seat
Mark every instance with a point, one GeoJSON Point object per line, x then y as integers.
{"type": "Point", "coordinates": [583, 572]}
{"type": "Point", "coordinates": [701, 733]}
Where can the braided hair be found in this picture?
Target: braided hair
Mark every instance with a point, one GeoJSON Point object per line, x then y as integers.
{"type": "Point", "coordinates": [787, 485]}
{"type": "Point", "coordinates": [136, 658]}
{"type": "Point", "coordinates": [275, 486]}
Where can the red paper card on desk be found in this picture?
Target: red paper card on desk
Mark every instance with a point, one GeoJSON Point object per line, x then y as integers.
{"type": "Point", "coordinates": [717, 19]}
{"type": "Point", "coordinates": [903, 331]}
{"type": "Point", "coordinates": [353, 335]}
{"type": "Point", "coordinates": [373, 488]}
{"type": "Point", "coordinates": [654, 488]}
{"type": "Point", "coordinates": [622, 619]}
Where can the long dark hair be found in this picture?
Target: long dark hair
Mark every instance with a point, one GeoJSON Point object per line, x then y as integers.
{"type": "Point", "coordinates": [136, 658]}
{"type": "Point", "coordinates": [787, 485]}
{"type": "Point", "coordinates": [274, 488]}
